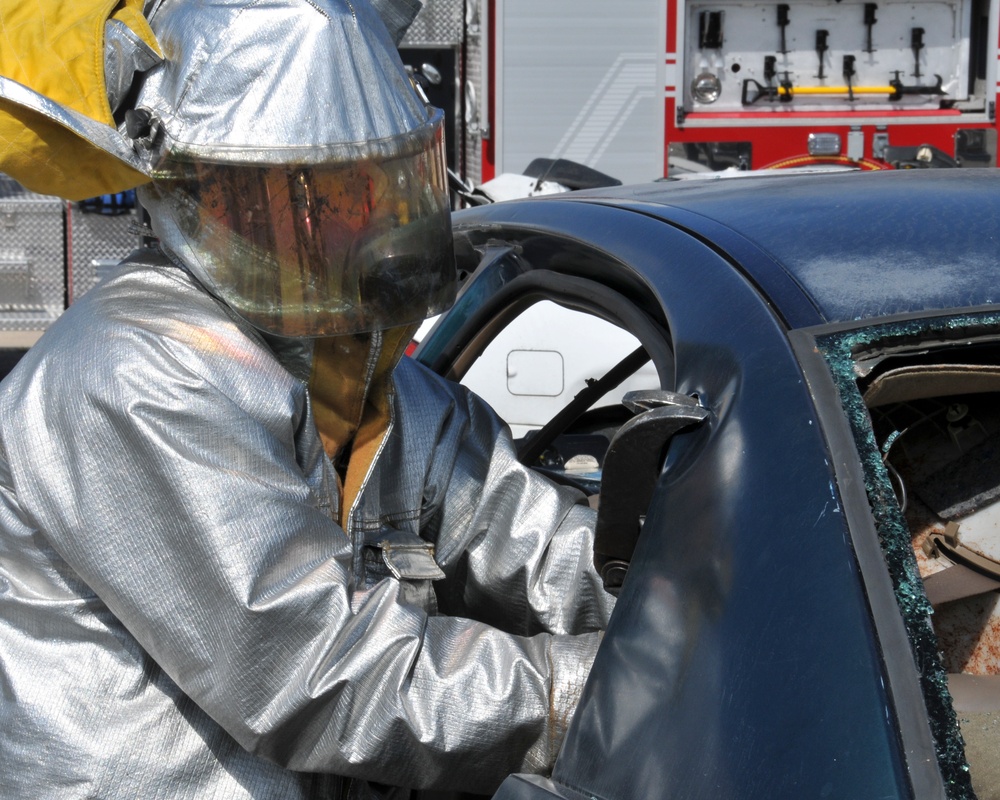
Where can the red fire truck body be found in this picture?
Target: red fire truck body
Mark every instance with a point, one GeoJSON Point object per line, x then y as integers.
{"type": "Point", "coordinates": [642, 88]}
{"type": "Point", "coordinates": [784, 84]}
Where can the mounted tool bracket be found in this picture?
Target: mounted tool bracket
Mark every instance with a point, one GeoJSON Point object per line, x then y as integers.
{"type": "Point", "coordinates": [783, 24]}
{"type": "Point", "coordinates": [870, 21]}
{"type": "Point", "coordinates": [822, 37]}
{"type": "Point", "coordinates": [916, 44]}
{"type": "Point", "coordinates": [710, 30]}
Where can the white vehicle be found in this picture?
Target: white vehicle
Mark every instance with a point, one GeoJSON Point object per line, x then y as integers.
{"type": "Point", "coordinates": [527, 384]}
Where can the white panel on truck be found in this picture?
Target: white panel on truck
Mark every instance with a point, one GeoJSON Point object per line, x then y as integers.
{"type": "Point", "coordinates": [581, 80]}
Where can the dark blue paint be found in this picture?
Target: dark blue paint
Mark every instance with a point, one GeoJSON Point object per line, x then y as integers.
{"type": "Point", "coordinates": [742, 660]}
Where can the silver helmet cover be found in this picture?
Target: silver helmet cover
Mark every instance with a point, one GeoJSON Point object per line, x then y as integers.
{"type": "Point", "coordinates": [295, 171]}
{"type": "Point", "coordinates": [125, 54]}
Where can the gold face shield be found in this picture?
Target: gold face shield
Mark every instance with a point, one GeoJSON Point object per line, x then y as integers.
{"type": "Point", "coordinates": [318, 249]}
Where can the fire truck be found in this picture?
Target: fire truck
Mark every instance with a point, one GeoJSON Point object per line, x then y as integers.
{"type": "Point", "coordinates": [870, 84]}
{"type": "Point", "coordinates": [640, 89]}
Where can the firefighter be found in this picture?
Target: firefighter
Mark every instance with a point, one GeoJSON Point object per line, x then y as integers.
{"type": "Point", "coordinates": [245, 550]}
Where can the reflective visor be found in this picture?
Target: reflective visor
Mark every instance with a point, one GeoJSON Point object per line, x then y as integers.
{"type": "Point", "coordinates": [347, 245]}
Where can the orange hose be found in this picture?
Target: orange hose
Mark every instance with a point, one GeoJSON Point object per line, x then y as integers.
{"type": "Point", "coordinates": [805, 161]}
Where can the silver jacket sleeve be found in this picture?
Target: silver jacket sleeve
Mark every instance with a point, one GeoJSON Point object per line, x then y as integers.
{"type": "Point", "coordinates": [180, 616]}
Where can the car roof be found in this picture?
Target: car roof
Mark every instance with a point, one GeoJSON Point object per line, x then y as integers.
{"type": "Point", "coordinates": [858, 244]}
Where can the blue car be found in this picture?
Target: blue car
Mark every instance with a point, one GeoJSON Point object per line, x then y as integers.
{"type": "Point", "coordinates": [795, 505]}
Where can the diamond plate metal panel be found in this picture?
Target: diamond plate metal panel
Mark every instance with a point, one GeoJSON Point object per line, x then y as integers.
{"type": "Point", "coordinates": [32, 273]}
{"type": "Point", "coordinates": [97, 244]}
{"type": "Point", "coordinates": [51, 253]}
{"type": "Point", "coordinates": [474, 102]}
{"type": "Point", "coordinates": [439, 23]}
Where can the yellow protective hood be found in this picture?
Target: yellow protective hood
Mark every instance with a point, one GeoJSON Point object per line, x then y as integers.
{"type": "Point", "coordinates": [57, 133]}
{"type": "Point", "coordinates": [349, 389]}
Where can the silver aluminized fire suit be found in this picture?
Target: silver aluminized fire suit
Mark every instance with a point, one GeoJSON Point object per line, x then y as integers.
{"type": "Point", "coordinates": [181, 616]}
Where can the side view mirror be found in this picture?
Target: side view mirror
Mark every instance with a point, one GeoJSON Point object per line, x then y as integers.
{"type": "Point", "coordinates": [632, 466]}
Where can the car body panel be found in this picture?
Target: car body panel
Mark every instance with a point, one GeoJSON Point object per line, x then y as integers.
{"type": "Point", "coordinates": [828, 234]}
{"type": "Point", "coordinates": [743, 627]}
{"type": "Point", "coordinates": [740, 563]}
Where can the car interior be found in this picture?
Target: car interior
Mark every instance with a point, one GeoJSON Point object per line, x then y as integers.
{"type": "Point", "coordinates": [614, 413]}
{"type": "Point", "coordinates": [935, 414]}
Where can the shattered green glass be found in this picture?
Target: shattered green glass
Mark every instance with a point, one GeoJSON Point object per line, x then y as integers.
{"type": "Point", "coordinates": [842, 351]}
